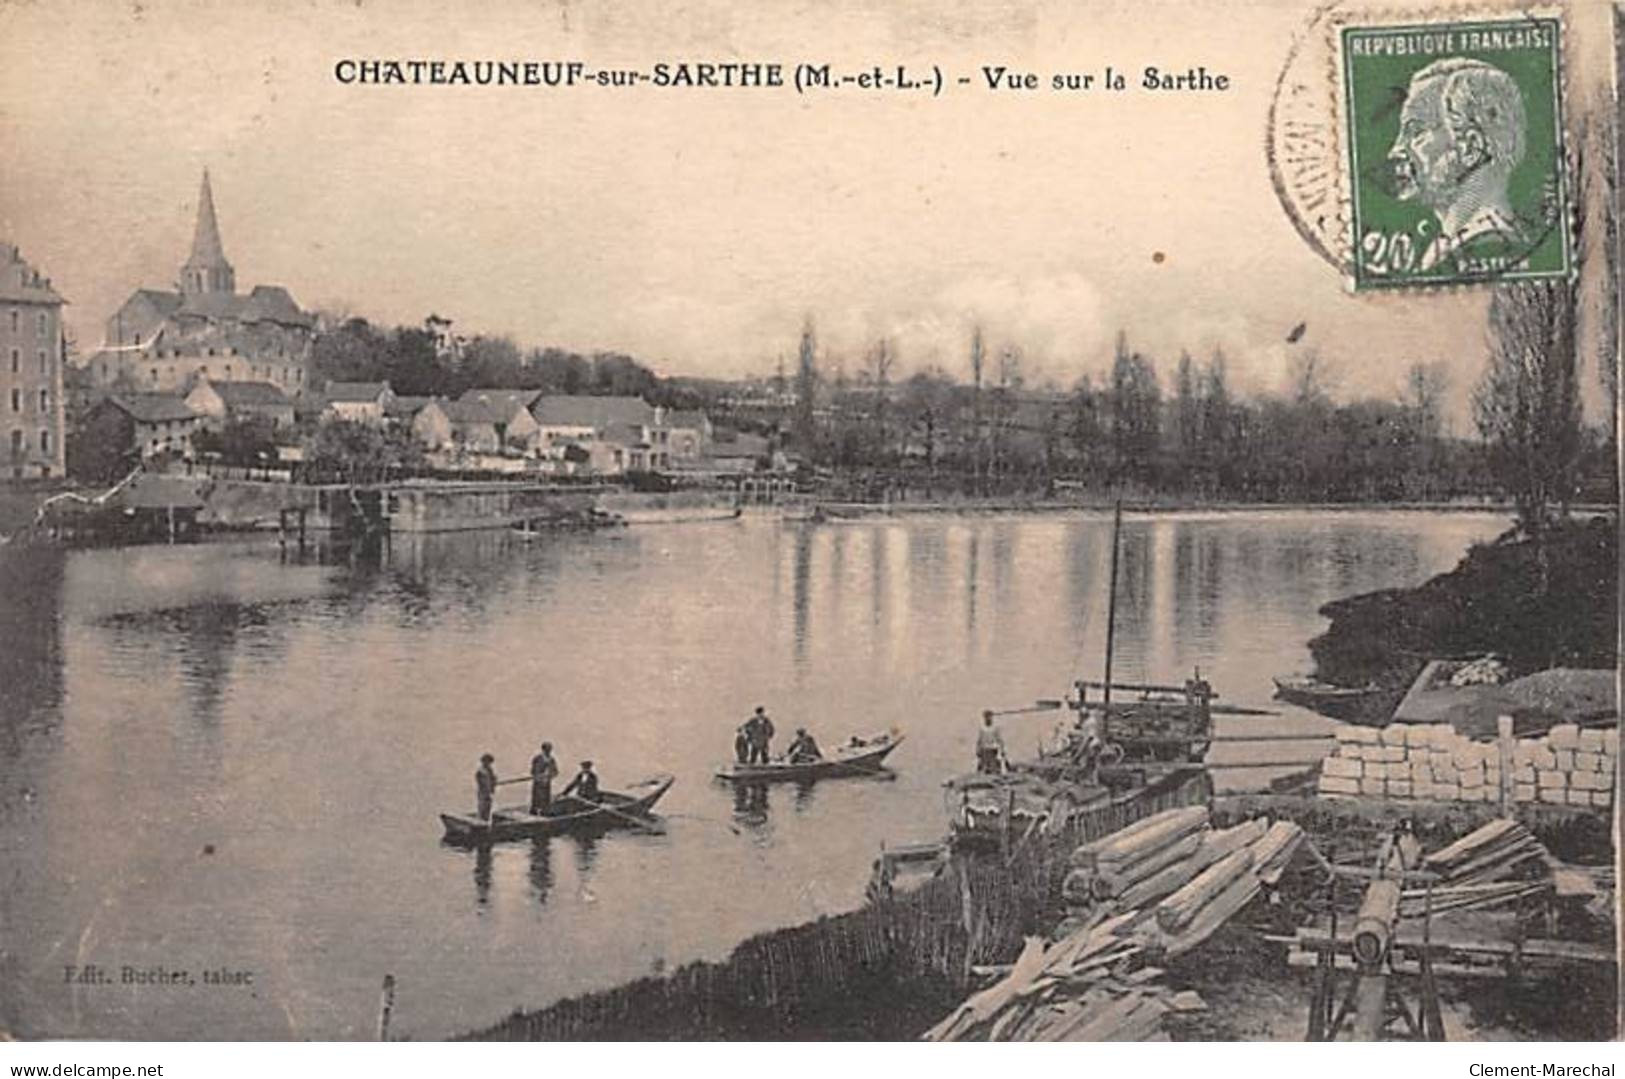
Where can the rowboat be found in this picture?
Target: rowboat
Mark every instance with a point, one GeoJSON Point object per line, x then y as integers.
{"type": "Point", "coordinates": [611, 809]}
{"type": "Point", "coordinates": [859, 756]}
{"type": "Point", "coordinates": [1332, 701]}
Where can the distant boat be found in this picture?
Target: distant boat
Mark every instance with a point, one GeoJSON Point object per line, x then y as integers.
{"type": "Point", "coordinates": [571, 815]}
{"type": "Point", "coordinates": [858, 757]}
{"type": "Point", "coordinates": [1347, 703]}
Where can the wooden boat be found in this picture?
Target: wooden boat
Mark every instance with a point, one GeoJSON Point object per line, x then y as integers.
{"type": "Point", "coordinates": [1335, 702]}
{"type": "Point", "coordinates": [859, 756]}
{"type": "Point", "coordinates": [611, 810]}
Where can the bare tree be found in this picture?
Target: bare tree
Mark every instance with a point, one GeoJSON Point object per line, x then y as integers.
{"type": "Point", "coordinates": [1527, 405]}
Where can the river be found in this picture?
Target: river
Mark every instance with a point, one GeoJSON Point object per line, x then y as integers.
{"type": "Point", "coordinates": [214, 758]}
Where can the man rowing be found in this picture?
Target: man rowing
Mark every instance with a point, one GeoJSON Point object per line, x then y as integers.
{"type": "Point", "coordinates": [803, 750]}
{"type": "Point", "coordinates": [584, 785]}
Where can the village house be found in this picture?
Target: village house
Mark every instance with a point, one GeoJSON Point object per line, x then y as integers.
{"type": "Point", "coordinates": [691, 433]}
{"type": "Point", "coordinates": [160, 341]}
{"type": "Point", "coordinates": [218, 402]}
{"type": "Point", "coordinates": [491, 426]}
{"type": "Point", "coordinates": [126, 427]}
{"type": "Point", "coordinates": [631, 429]}
{"type": "Point", "coordinates": [358, 402]}
{"type": "Point", "coordinates": [429, 423]}
{"type": "Point", "coordinates": [31, 371]}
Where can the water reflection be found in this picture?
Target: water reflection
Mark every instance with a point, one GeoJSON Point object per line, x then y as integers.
{"type": "Point", "coordinates": [540, 872]}
{"type": "Point", "coordinates": [483, 859]}
{"type": "Point", "coordinates": [226, 695]}
{"type": "Point", "coordinates": [750, 803]}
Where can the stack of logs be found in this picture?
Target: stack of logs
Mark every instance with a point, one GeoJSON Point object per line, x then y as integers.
{"type": "Point", "coordinates": [1567, 766]}
{"type": "Point", "coordinates": [1149, 892]}
{"type": "Point", "coordinates": [1177, 862]}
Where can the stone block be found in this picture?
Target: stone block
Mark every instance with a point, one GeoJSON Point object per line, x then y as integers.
{"type": "Point", "coordinates": [1553, 795]}
{"type": "Point", "coordinates": [1602, 798]}
{"type": "Point", "coordinates": [1543, 757]}
{"type": "Point", "coordinates": [1523, 751]}
{"type": "Point", "coordinates": [1523, 792]}
{"type": "Point", "coordinates": [1393, 734]}
{"type": "Point", "coordinates": [1564, 736]}
{"type": "Point", "coordinates": [1351, 751]}
{"type": "Point", "coordinates": [1585, 781]}
{"type": "Point", "coordinates": [1330, 784]}
{"type": "Point", "coordinates": [1470, 777]}
{"type": "Point", "coordinates": [1551, 779]}
{"type": "Point", "coordinates": [1373, 786]}
{"type": "Point", "coordinates": [1467, 757]}
{"type": "Point", "coordinates": [1610, 741]}
{"type": "Point", "coordinates": [1363, 735]}
{"type": "Point", "coordinates": [1565, 759]}
{"type": "Point", "coordinates": [1591, 740]}
{"type": "Point", "coordinates": [1346, 735]}
{"type": "Point", "coordinates": [1421, 772]}
{"type": "Point", "coordinates": [1399, 788]}
{"type": "Point", "coordinates": [1587, 762]}
{"type": "Point", "coordinates": [1524, 773]}
{"type": "Point", "coordinates": [1446, 792]}
{"type": "Point", "coordinates": [1580, 798]}
{"type": "Point", "coordinates": [1605, 780]}
{"type": "Point", "coordinates": [1341, 767]}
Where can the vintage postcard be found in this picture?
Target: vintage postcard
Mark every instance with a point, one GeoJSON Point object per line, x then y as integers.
{"type": "Point", "coordinates": [876, 521]}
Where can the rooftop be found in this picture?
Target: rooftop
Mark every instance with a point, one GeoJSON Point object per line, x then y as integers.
{"type": "Point", "coordinates": [240, 394]}
{"type": "Point", "coordinates": [152, 407]}
{"type": "Point", "coordinates": [599, 413]}
{"type": "Point", "coordinates": [22, 283]}
{"type": "Point", "coordinates": [354, 392]}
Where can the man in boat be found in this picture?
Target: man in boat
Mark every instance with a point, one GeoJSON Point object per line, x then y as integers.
{"type": "Point", "coordinates": [804, 750]}
{"type": "Point", "coordinates": [543, 771]}
{"type": "Point", "coordinates": [584, 785]}
{"type": "Point", "coordinates": [485, 786]}
{"type": "Point", "coordinates": [989, 747]}
{"type": "Point", "coordinates": [1086, 742]}
{"type": "Point", "coordinates": [742, 742]}
{"type": "Point", "coordinates": [761, 735]}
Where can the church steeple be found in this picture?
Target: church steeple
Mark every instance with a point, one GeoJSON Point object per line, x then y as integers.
{"type": "Point", "coordinates": [207, 269]}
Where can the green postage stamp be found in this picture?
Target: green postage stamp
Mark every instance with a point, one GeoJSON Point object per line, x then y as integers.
{"type": "Point", "coordinates": [1454, 142]}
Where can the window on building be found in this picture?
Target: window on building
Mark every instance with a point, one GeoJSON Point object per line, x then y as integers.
{"type": "Point", "coordinates": [41, 322]}
{"type": "Point", "coordinates": [16, 443]}
{"type": "Point", "coordinates": [16, 400]}
{"type": "Point", "coordinates": [155, 376]}
{"type": "Point", "coordinates": [44, 362]}
{"type": "Point", "coordinates": [14, 320]}
{"type": "Point", "coordinates": [45, 442]}
{"type": "Point", "coordinates": [45, 400]}
{"type": "Point", "coordinates": [16, 360]}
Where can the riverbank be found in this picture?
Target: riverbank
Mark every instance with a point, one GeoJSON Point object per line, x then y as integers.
{"type": "Point", "coordinates": [1535, 607]}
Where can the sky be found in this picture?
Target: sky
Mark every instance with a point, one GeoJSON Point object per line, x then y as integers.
{"type": "Point", "coordinates": [696, 229]}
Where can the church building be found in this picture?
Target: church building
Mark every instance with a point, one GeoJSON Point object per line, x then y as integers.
{"type": "Point", "coordinates": [161, 341]}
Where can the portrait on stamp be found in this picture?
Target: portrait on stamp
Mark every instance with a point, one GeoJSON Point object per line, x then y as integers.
{"type": "Point", "coordinates": [1455, 158]}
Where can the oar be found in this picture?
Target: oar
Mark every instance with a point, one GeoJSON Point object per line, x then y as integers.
{"type": "Point", "coordinates": [612, 811]}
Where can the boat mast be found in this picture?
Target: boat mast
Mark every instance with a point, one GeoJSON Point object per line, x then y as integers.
{"type": "Point", "coordinates": [1111, 601]}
